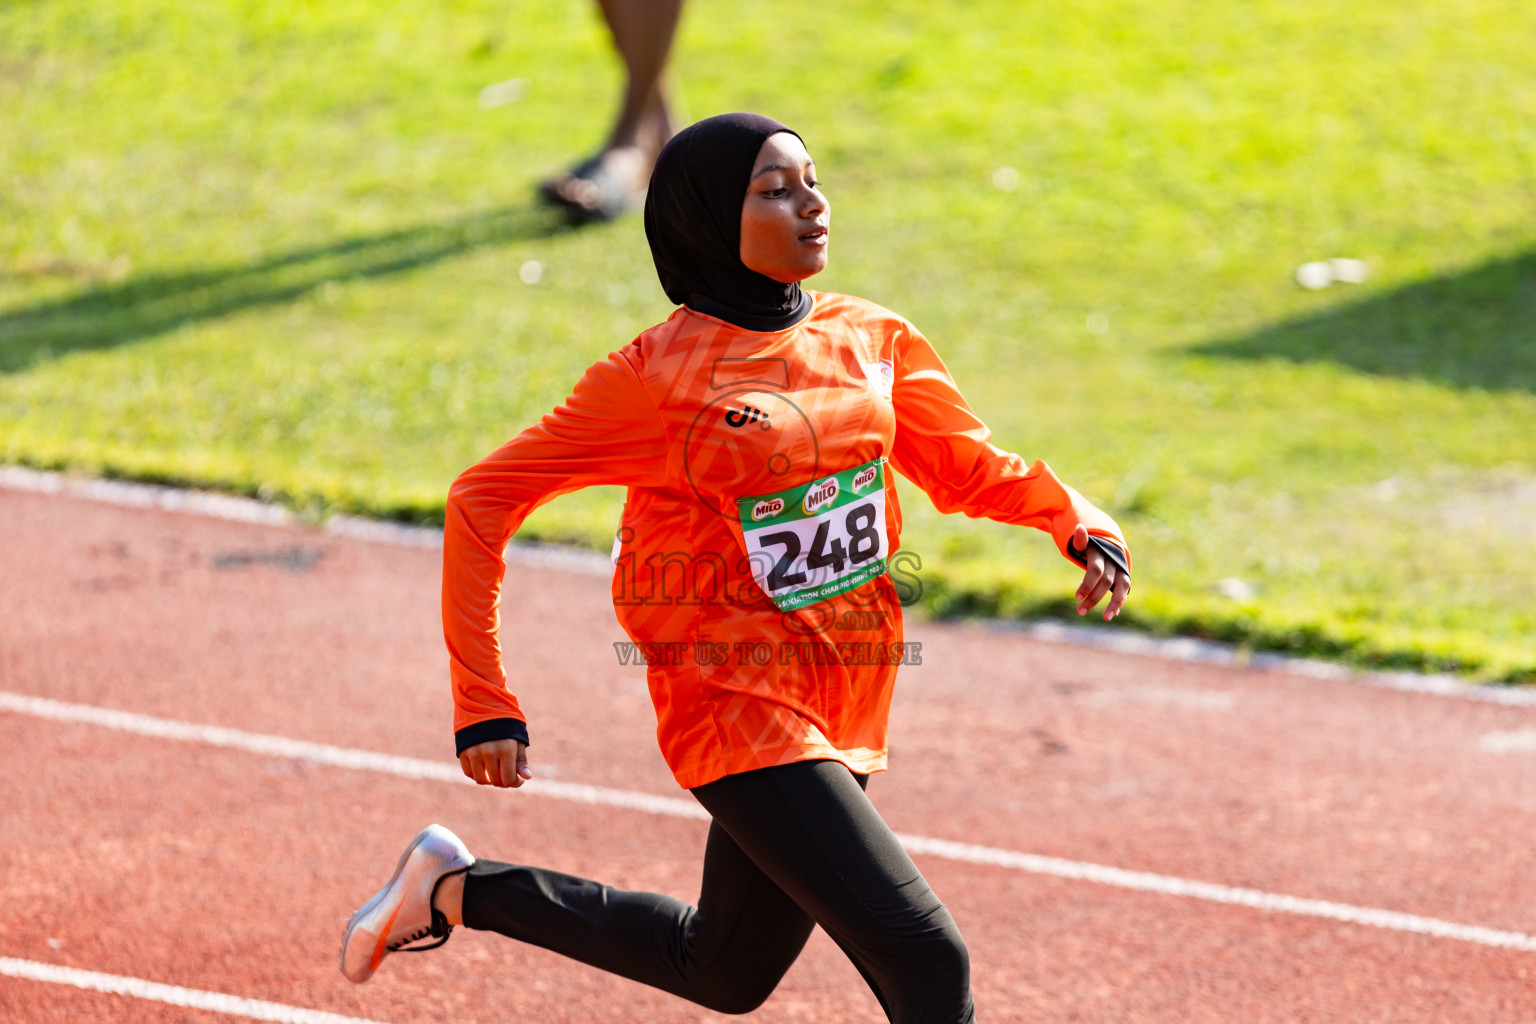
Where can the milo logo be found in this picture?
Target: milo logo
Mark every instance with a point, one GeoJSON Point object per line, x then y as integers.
{"type": "Point", "coordinates": [767, 509]}
{"type": "Point", "coordinates": [864, 478]}
{"type": "Point", "coordinates": [818, 495]}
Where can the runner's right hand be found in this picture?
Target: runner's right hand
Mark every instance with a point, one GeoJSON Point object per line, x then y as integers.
{"type": "Point", "coordinates": [1102, 577]}
{"type": "Point", "coordinates": [502, 763]}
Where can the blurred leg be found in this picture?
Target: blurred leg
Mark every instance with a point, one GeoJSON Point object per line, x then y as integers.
{"type": "Point", "coordinates": [610, 182]}
{"type": "Point", "coordinates": [643, 31]}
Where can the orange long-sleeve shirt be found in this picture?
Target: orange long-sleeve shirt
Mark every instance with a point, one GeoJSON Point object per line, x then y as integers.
{"type": "Point", "coordinates": [758, 527]}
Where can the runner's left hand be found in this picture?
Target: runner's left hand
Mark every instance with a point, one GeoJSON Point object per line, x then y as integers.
{"type": "Point", "coordinates": [1102, 577]}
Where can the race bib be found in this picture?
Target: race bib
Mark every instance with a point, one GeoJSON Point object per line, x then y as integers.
{"type": "Point", "coordinates": [817, 540]}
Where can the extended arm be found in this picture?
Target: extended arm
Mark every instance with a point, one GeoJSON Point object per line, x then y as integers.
{"type": "Point", "coordinates": [943, 447]}
{"type": "Point", "coordinates": [607, 432]}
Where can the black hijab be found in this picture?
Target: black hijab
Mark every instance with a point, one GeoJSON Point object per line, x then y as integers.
{"type": "Point", "coordinates": [693, 222]}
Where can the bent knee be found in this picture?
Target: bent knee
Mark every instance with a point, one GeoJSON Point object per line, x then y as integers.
{"type": "Point", "coordinates": [934, 980]}
{"type": "Point", "coordinates": [736, 988]}
{"type": "Point", "coordinates": [935, 952]}
{"type": "Point", "coordinates": [738, 999]}
{"type": "Point", "coordinates": [945, 950]}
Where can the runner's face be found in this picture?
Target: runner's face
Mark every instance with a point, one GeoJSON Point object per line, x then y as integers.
{"type": "Point", "coordinates": [784, 217]}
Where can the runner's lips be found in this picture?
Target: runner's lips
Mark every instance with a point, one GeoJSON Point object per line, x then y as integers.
{"type": "Point", "coordinates": [817, 237]}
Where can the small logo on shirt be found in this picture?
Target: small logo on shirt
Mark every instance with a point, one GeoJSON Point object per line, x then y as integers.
{"type": "Point", "coordinates": [882, 375]}
{"type": "Point", "coordinates": [818, 495]}
{"type": "Point", "coordinates": [767, 509]}
{"type": "Point", "coordinates": [748, 414]}
{"type": "Point", "coordinates": [865, 478]}
{"type": "Point", "coordinates": [746, 440]}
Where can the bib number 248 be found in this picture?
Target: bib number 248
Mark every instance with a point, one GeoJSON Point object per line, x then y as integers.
{"type": "Point", "coordinates": [817, 540]}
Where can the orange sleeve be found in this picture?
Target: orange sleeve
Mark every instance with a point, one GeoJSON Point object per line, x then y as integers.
{"type": "Point", "coordinates": [607, 432]}
{"type": "Point", "coordinates": [944, 448]}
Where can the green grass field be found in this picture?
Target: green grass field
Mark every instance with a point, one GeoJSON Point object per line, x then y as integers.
{"type": "Point", "coordinates": [275, 248]}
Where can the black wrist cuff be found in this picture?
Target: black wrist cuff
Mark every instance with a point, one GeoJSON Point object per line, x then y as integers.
{"type": "Point", "coordinates": [1110, 550]}
{"type": "Point", "coordinates": [495, 729]}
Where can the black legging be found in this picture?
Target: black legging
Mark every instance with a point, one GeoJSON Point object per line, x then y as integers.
{"type": "Point", "coordinates": [790, 847]}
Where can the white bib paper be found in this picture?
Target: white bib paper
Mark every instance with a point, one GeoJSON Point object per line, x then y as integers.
{"type": "Point", "coordinates": [815, 541]}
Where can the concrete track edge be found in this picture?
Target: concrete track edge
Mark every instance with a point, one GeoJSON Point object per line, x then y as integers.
{"type": "Point", "coordinates": [1122, 640]}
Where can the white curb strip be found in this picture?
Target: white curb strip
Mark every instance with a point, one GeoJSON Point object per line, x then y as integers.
{"type": "Point", "coordinates": [556, 556]}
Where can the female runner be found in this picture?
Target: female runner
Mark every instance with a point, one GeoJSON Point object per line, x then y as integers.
{"type": "Point", "coordinates": [755, 430]}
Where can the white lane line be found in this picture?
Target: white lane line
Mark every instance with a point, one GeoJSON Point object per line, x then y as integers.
{"type": "Point", "coordinates": [1167, 885]}
{"type": "Point", "coordinates": [415, 768]}
{"type": "Point", "coordinates": [1513, 742]}
{"type": "Point", "coordinates": [339, 757]}
{"type": "Point", "coordinates": [175, 995]}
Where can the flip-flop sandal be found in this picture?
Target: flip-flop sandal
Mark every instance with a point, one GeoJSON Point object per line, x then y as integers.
{"type": "Point", "coordinates": [614, 199]}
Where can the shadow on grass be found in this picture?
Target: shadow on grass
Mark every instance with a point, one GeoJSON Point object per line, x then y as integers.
{"type": "Point", "coordinates": [142, 307]}
{"type": "Point", "coordinates": [1476, 329]}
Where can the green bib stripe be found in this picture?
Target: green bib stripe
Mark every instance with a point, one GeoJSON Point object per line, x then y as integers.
{"type": "Point", "coordinates": [793, 498]}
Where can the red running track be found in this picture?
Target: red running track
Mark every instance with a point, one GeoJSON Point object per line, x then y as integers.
{"type": "Point", "coordinates": [232, 872]}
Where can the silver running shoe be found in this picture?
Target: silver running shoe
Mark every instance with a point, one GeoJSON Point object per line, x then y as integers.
{"type": "Point", "coordinates": [402, 911]}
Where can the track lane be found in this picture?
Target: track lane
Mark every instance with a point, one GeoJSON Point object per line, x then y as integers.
{"type": "Point", "coordinates": [1245, 778]}
{"type": "Point", "coordinates": [119, 845]}
{"type": "Point", "coordinates": [377, 763]}
{"type": "Point", "coordinates": [1253, 779]}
